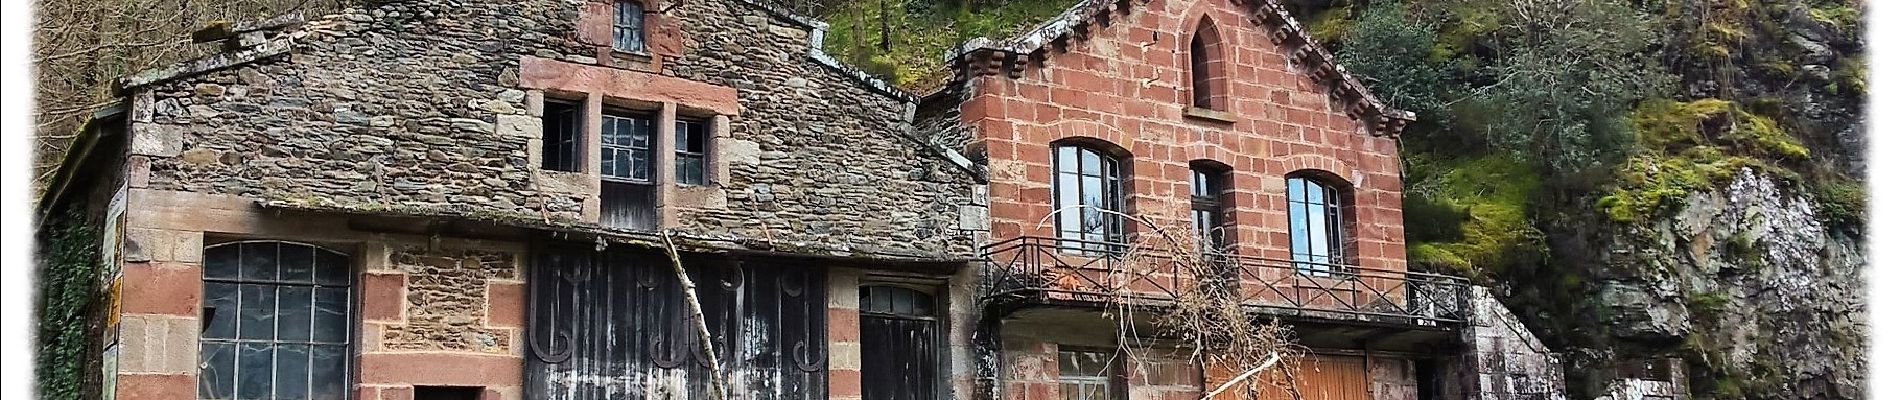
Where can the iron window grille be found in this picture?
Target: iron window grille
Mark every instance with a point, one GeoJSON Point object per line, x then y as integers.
{"type": "Point", "coordinates": [276, 322]}
{"type": "Point", "coordinates": [1088, 200]}
{"type": "Point", "coordinates": [630, 26]}
{"type": "Point", "coordinates": [689, 152]}
{"type": "Point", "coordinates": [1313, 220]}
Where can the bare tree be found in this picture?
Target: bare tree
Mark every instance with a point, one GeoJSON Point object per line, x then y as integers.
{"type": "Point", "coordinates": [81, 47]}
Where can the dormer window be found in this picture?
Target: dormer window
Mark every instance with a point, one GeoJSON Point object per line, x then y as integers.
{"type": "Point", "coordinates": [630, 26]}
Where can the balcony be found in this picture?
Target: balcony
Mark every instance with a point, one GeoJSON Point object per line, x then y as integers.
{"type": "Point", "coordinates": [1040, 271]}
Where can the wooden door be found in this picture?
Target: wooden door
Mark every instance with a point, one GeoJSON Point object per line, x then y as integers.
{"type": "Point", "coordinates": [899, 332]}
{"type": "Point", "coordinates": [1315, 376]}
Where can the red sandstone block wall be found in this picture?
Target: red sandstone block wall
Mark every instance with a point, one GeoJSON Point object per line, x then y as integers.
{"type": "Point", "coordinates": [1126, 86]}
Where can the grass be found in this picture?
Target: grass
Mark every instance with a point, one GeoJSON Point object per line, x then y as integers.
{"type": "Point", "coordinates": [1488, 199]}
{"type": "Point", "coordinates": [920, 31]}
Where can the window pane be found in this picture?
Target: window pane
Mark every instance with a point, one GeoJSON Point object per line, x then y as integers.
{"type": "Point", "coordinates": [1295, 190]}
{"type": "Point", "coordinates": [293, 371]}
{"type": "Point", "coordinates": [327, 372]}
{"type": "Point", "coordinates": [610, 133]}
{"type": "Point", "coordinates": [295, 263]}
{"type": "Point", "coordinates": [331, 316]}
{"type": "Point", "coordinates": [293, 313]}
{"type": "Point", "coordinates": [1091, 163]}
{"type": "Point", "coordinates": [333, 268]}
{"type": "Point", "coordinates": [1296, 224]}
{"type": "Point", "coordinates": [254, 371]}
{"type": "Point", "coordinates": [1198, 182]}
{"type": "Point", "coordinates": [258, 261]}
{"type": "Point", "coordinates": [217, 363]}
{"type": "Point", "coordinates": [221, 262]}
{"type": "Point", "coordinates": [221, 310]}
{"type": "Point", "coordinates": [1066, 159]}
{"type": "Point", "coordinates": [257, 311]}
{"type": "Point", "coordinates": [1092, 193]}
{"type": "Point", "coordinates": [1084, 363]}
{"type": "Point", "coordinates": [641, 132]}
{"type": "Point", "coordinates": [691, 169]}
{"type": "Point", "coordinates": [1069, 191]}
{"type": "Point", "coordinates": [1316, 218]}
{"type": "Point", "coordinates": [1315, 193]}
{"type": "Point", "coordinates": [637, 163]}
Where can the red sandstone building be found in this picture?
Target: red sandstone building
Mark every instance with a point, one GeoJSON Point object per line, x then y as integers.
{"type": "Point", "coordinates": [1214, 117]}
{"type": "Point", "coordinates": [439, 200]}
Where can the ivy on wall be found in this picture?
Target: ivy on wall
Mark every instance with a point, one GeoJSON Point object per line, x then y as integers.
{"type": "Point", "coordinates": [69, 293]}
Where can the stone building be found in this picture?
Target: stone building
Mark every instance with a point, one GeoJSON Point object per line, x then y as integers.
{"type": "Point", "coordinates": [495, 199]}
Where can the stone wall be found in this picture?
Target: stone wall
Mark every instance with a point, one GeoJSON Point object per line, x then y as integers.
{"type": "Point", "coordinates": [1503, 360]}
{"type": "Point", "coordinates": [448, 313]}
{"type": "Point", "coordinates": [419, 107]}
{"type": "Point", "coordinates": [1392, 378]}
{"type": "Point", "coordinates": [461, 300]}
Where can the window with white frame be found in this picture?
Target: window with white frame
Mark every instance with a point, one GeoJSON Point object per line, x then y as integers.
{"type": "Point", "coordinates": [1087, 374]}
{"type": "Point", "coordinates": [1313, 219]}
{"type": "Point", "coordinates": [277, 322]}
{"type": "Point", "coordinates": [630, 26]}
{"type": "Point", "coordinates": [1088, 198]}
{"type": "Point", "coordinates": [627, 196]}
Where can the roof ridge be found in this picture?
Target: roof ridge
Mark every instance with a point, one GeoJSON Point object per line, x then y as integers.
{"type": "Point", "coordinates": [984, 56]}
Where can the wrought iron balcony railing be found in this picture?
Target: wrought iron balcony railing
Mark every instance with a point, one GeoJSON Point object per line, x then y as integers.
{"type": "Point", "coordinates": [1073, 271]}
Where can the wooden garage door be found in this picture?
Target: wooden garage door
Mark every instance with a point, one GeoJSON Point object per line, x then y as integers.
{"type": "Point", "coordinates": [1317, 377]}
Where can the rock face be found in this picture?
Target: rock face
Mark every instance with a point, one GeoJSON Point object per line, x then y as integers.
{"type": "Point", "coordinates": [1756, 293]}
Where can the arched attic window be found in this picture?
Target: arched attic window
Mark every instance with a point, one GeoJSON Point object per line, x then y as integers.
{"type": "Point", "coordinates": [1207, 67]}
{"type": "Point", "coordinates": [1316, 221]}
{"type": "Point", "coordinates": [1088, 195]}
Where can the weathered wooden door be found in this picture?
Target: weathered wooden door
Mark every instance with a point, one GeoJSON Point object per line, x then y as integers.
{"type": "Point", "coordinates": [1328, 377]}
{"type": "Point", "coordinates": [898, 328]}
{"type": "Point", "coordinates": [1316, 376]}
{"type": "Point", "coordinates": [612, 325]}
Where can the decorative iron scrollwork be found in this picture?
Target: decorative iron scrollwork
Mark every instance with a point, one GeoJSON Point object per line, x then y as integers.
{"type": "Point", "coordinates": [559, 354]}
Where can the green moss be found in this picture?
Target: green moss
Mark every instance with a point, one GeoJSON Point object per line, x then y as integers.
{"type": "Point", "coordinates": [1492, 195]}
{"type": "Point", "coordinates": [1843, 17]}
{"type": "Point", "coordinates": [1467, 29]}
{"type": "Point", "coordinates": [1690, 147]}
{"type": "Point", "coordinates": [1842, 203]}
{"type": "Point", "coordinates": [1330, 25]}
{"type": "Point", "coordinates": [1779, 68]}
{"type": "Point", "coordinates": [1851, 77]}
{"type": "Point", "coordinates": [1706, 305]}
{"type": "Point", "coordinates": [919, 32]}
{"type": "Point", "coordinates": [1668, 124]}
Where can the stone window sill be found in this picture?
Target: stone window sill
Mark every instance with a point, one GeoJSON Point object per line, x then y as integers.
{"type": "Point", "coordinates": [638, 55]}
{"type": "Point", "coordinates": [1208, 115]}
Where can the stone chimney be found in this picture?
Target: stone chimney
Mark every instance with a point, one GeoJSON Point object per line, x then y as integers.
{"type": "Point", "coordinates": [241, 35]}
